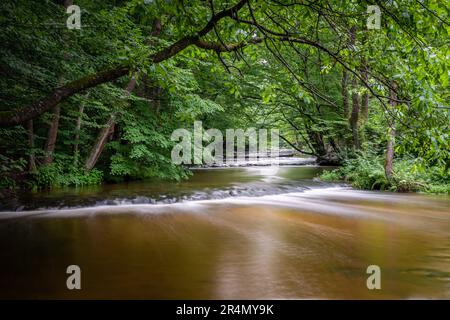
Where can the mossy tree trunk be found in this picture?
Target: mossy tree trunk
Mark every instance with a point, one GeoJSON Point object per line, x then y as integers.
{"type": "Point", "coordinates": [32, 159]}
{"type": "Point", "coordinates": [389, 160]}
{"type": "Point", "coordinates": [50, 144]}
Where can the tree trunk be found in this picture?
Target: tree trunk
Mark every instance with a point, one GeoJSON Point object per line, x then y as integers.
{"type": "Point", "coordinates": [100, 143]}
{"type": "Point", "coordinates": [76, 152]}
{"type": "Point", "coordinates": [157, 99]}
{"type": "Point", "coordinates": [31, 160]}
{"type": "Point", "coordinates": [20, 115]}
{"type": "Point", "coordinates": [104, 134]}
{"type": "Point", "coordinates": [355, 97]}
{"type": "Point", "coordinates": [51, 137]}
{"type": "Point", "coordinates": [389, 161]}
{"type": "Point", "coordinates": [344, 91]}
{"type": "Point", "coordinates": [156, 92]}
{"type": "Point", "coordinates": [354, 115]}
{"type": "Point", "coordinates": [316, 142]}
{"type": "Point", "coordinates": [365, 96]}
{"type": "Point", "coordinates": [53, 130]}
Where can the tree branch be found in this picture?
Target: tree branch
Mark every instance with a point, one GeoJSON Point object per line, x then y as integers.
{"type": "Point", "coordinates": [21, 115]}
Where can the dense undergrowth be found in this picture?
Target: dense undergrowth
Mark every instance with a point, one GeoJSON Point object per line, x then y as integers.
{"type": "Point", "coordinates": [366, 171]}
{"type": "Point", "coordinates": [332, 88]}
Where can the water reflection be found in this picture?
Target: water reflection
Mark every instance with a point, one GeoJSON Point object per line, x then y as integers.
{"type": "Point", "coordinates": [213, 183]}
{"type": "Point", "coordinates": [311, 244]}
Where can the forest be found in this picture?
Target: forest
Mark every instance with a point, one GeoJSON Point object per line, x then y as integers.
{"type": "Point", "coordinates": [91, 96]}
{"type": "Point", "coordinates": [334, 116]}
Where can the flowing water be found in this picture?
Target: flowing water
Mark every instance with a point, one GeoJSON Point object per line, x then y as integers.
{"type": "Point", "coordinates": [233, 233]}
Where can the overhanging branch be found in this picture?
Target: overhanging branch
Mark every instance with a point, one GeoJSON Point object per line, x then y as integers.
{"type": "Point", "coordinates": [21, 115]}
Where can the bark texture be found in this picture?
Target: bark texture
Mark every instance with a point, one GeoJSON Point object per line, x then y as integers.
{"type": "Point", "coordinates": [389, 160]}
{"type": "Point", "coordinates": [21, 115]}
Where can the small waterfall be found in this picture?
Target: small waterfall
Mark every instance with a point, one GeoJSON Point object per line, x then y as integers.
{"type": "Point", "coordinates": [285, 157]}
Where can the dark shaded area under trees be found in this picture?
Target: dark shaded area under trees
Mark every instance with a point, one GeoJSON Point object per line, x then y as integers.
{"type": "Point", "coordinates": [99, 104]}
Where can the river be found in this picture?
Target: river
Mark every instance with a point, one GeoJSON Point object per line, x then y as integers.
{"type": "Point", "coordinates": [226, 233]}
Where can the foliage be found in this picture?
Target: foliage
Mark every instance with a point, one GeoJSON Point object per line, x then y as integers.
{"type": "Point", "coordinates": [55, 175]}
{"type": "Point", "coordinates": [366, 171]}
{"type": "Point", "coordinates": [295, 67]}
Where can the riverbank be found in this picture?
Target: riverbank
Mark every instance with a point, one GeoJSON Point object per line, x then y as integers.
{"type": "Point", "coordinates": [204, 184]}
{"type": "Point", "coordinates": [302, 239]}
{"type": "Point", "coordinates": [367, 173]}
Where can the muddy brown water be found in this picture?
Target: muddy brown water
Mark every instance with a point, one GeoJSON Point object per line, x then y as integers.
{"type": "Point", "coordinates": [242, 233]}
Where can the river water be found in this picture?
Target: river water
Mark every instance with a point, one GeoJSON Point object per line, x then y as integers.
{"type": "Point", "coordinates": [227, 233]}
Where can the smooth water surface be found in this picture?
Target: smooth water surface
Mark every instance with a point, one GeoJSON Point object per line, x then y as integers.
{"type": "Point", "coordinates": [256, 233]}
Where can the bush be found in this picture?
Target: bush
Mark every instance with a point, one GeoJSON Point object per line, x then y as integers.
{"type": "Point", "coordinates": [332, 175]}
{"type": "Point", "coordinates": [366, 171]}
{"type": "Point", "coordinates": [54, 175]}
{"type": "Point", "coordinates": [10, 171]}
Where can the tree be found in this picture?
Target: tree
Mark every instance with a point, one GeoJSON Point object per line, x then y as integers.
{"type": "Point", "coordinates": [294, 65]}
